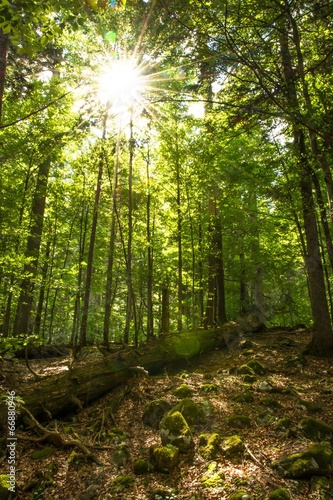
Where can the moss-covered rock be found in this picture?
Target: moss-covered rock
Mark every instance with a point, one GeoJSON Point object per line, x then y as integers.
{"type": "Point", "coordinates": [322, 486]}
{"type": "Point", "coordinates": [284, 423]}
{"type": "Point", "coordinates": [164, 458]}
{"type": "Point", "coordinates": [244, 397]}
{"type": "Point", "coordinates": [41, 454]}
{"type": "Point", "coordinates": [7, 487]}
{"type": "Point", "coordinates": [209, 445]}
{"type": "Point", "coordinates": [183, 391]}
{"type": "Point", "coordinates": [164, 494]}
{"type": "Point", "coordinates": [310, 406]}
{"type": "Point", "coordinates": [141, 467]}
{"type": "Point", "coordinates": [213, 477]}
{"type": "Point", "coordinates": [279, 494]}
{"type": "Point", "coordinates": [120, 456]}
{"type": "Point", "coordinates": [316, 430]}
{"type": "Point", "coordinates": [115, 435]}
{"type": "Point", "coordinates": [239, 421]}
{"type": "Point", "coordinates": [245, 370]}
{"type": "Point", "coordinates": [175, 430]}
{"type": "Point", "coordinates": [247, 344]}
{"type": "Point", "coordinates": [271, 403]}
{"type": "Point", "coordinates": [120, 483]}
{"type": "Point", "coordinates": [240, 495]}
{"type": "Point", "coordinates": [250, 379]}
{"type": "Point", "coordinates": [232, 446]}
{"type": "Point", "coordinates": [154, 411]}
{"type": "Point", "coordinates": [317, 460]}
{"type": "Point", "coordinates": [257, 367]}
{"type": "Point", "coordinates": [191, 411]}
{"type": "Point", "coordinates": [209, 388]}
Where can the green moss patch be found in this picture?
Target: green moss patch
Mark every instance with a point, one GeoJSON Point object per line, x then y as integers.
{"type": "Point", "coordinates": [279, 494]}
{"type": "Point", "coordinates": [175, 430]}
{"type": "Point", "coordinates": [192, 412]}
{"type": "Point", "coordinates": [209, 445]}
{"type": "Point", "coordinates": [164, 458]}
{"type": "Point", "coordinates": [41, 454]}
{"type": "Point", "coordinates": [316, 430]}
{"type": "Point", "coordinates": [239, 421]}
{"type": "Point", "coordinates": [317, 460]}
{"type": "Point", "coordinates": [213, 477]}
{"type": "Point", "coordinates": [232, 446]}
{"type": "Point", "coordinates": [183, 391]}
{"type": "Point", "coordinates": [121, 483]}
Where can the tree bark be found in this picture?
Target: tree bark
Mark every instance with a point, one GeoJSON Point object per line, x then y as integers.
{"type": "Point", "coordinates": [4, 42]}
{"type": "Point", "coordinates": [60, 394]}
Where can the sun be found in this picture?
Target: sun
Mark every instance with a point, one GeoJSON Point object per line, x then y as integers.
{"type": "Point", "coordinates": [121, 85]}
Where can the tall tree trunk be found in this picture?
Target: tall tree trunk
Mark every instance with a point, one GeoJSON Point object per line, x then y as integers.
{"type": "Point", "coordinates": [130, 301]}
{"type": "Point", "coordinates": [180, 246]}
{"type": "Point", "coordinates": [87, 289]}
{"type": "Point", "coordinates": [22, 323]}
{"type": "Point", "coordinates": [150, 317]}
{"type": "Point", "coordinates": [40, 305]}
{"type": "Point", "coordinates": [165, 314]}
{"type": "Point", "coordinates": [4, 42]}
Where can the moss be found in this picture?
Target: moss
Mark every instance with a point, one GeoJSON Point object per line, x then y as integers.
{"type": "Point", "coordinates": [164, 458]}
{"type": "Point", "coordinates": [271, 403]}
{"type": "Point", "coordinates": [245, 370]}
{"type": "Point", "coordinates": [191, 411]}
{"type": "Point", "coordinates": [284, 423]}
{"type": "Point", "coordinates": [248, 352]}
{"type": "Point", "coordinates": [256, 366]}
{"type": "Point", "coordinates": [310, 406]}
{"type": "Point", "coordinates": [244, 397]}
{"type": "Point", "coordinates": [120, 483]}
{"type": "Point", "coordinates": [240, 495]}
{"type": "Point", "coordinates": [316, 430]}
{"type": "Point", "coordinates": [250, 379]}
{"type": "Point", "coordinates": [322, 486]}
{"type": "Point", "coordinates": [239, 421]}
{"type": "Point", "coordinates": [213, 477]}
{"type": "Point", "coordinates": [232, 446]}
{"type": "Point", "coordinates": [115, 435]}
{"type": "Point", "coordinates": [183, 391]}
{"type": "Point", "coordinates": [317, 459]}
{"type": "Point", "coordinates": [175, 430]}
{"type": "Point", "coordinates": [141, 466]}
{"type": "Point", "coordinates": [5, 484]}
{"type": "Point", "coordinates": [279, 494]}
{"type": "Point", "coordinates": [209, 445]}
{"type": "Point", "coordinates": [209, 388]}
{"type": "Point", "coordinates": [154, 412]}
{"type": "Point", "coordinates": [41, 454]}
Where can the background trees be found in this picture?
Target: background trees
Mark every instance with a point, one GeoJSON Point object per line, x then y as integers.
{"type": "Point", "coordinates": [182, 216]}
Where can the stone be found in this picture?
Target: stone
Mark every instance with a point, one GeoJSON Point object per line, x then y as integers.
{"type": "Point", "coordinates": [245, 370]}
{"type": "Point", "coordinates": [120, 483]}
{"type": "Point", "coordinates": [154, 412]}
{"type": "Point", "coordinates": [115, 435]}
{"type": "Point", "coordinates": [209, 445]}
{"type": "Point", "coordinates": [175, 430]}
{"type": "Point", "coordinates": [164, 458]}
{"type": "Point", "coordinates": [264, 387]}
{"type": "Point", "coordinates": [183, 391]}
{"type": "Point", "coordinates": [284, 423]}
{"type": "Point", "coordinates": [316, 430]}
{"type": "Point", "coordinates": [310, 406]}
{"type": "Point", "coordinates": [141, 467]}
{"type": "Point", "coordinates": [250, 379]}
{"type": "Point", "coordinates": [279, 494]}
{"type": "Point", "coordinates": [213, 477]}
{"type": "Point", "coordinates": [209, 388]}
{"type": "Point", "coordinates": [239, 421]}
{"type": "Point", "coordinates": [257, 367]}
{"type": "Point", "coordinates": [316, 460]}
{"type": "Point", "coordinates": [232, 446]}
{"type": "Point", "coordinates": [191, 411]}
{"type": "Point", "coordinates": [120, 456]}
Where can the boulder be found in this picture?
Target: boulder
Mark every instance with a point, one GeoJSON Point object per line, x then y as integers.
{"type": "Point", "coordinates": [316, 460]}
{"type": "Point", "coordinates": [191, 411]}
{"type": "Point", "coordinates": [164, 458]}
{"type": "Point", "coordinates": [183, 391]}
{"type": "Point", "coordinates": [209, 445]}
{"type": "Point", "coordinates": [175, 430]}
{"type": "Point", "coordinates": [239, 421]}
{"type": "Point", "coordinates": [213, 477]}
{"type": "Point", "coordinates": [316, 430]}
{"type": "Point", "coordinates": [279, 494]}
{"type": "Point", "coordinates": [232, 446]}
{"type": "Point", "coordinates": [154, 412]}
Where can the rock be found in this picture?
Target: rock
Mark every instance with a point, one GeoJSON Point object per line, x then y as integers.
{"type": "Point", "coordinates": [245, 370]}
{"type": "Point", "coordinates": [250, 379]}
{"type": "Point", "coordinates": [232, 446]}
{"type": "Point", "coordinates": [164, 494]}
{"type": "Point", "coordinates": [322, 486]}
{"type": "Point", "coordinates": [154, 412]}
{"type": "Point", "coordinates": [41, 454]}
{"type": "Point", "coordinates": [256, 366]}
{"type": "Point", "coordinates": [141, 467]}
{"type": "Point", "coordinates": [209, 445]}
{"type": "Point", "coordinates": [183, 391]}
{"type": "Point", "coordinates": [317, 460]}
{"type": "Point", "coordinates": [316, 430]}
{"type": "Point", "coordinates": [191, 411]}
{"type": "Point", "coordinates": [213, 477]}
{"type": "Point", "coordinates": [279, 494]}
{"type": "Point", "coordinates": [120, 456]}
{"type": "Point", "coordinates": [284, 423]}
{"type": "Point", "coordinates": [209, 388]}
{"type": "Point", "coordinates": [120, 483]}
{"type": "Point", "coordinates": [175, 430]}
{"type": "Point", "coordinates": [240, 495]}
{"type": "Point", "coordinates": [5, 484]}
{"type": "Point", "coordinates": [164, 458]}
{"type": "Point", "coordinates": [264, 387]}
{"type": "Point", "coordinates": [239, 421]}
{"type": "Point", "coordinates": [310, 406]}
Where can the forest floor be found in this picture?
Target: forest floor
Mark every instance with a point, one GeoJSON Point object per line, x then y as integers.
{"type": "Point", "coordinates": [299, 381]}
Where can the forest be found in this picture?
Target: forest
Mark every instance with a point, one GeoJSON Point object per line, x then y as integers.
{"type": "Point", "coordinates": [166, 193]}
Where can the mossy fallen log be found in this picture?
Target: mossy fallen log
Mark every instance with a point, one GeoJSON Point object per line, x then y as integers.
{"type": "Point", "coordinates": [86, 381]}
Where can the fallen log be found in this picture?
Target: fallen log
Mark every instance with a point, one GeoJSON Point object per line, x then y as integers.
{"type": "Point", "coordinates": [85, 382]}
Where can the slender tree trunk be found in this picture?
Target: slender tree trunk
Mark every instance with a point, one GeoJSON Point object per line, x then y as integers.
{"type": "Point", "coordinates": [40, 305]}
{"type": "Point", "coordinates": [180, 248]}
{"type": "Point", "coordinates": [150, 317]}
{"type": "Point", "coordinates": [200, 268]}
{"type": "Point", "coordinates": [165, 315]}
{"type": "Point", "coordinates": [323, 218]}
{"type": "Point", "coordinates": [4, 42]}
{"type": "Point", "coordinates": [130, 301]}
{"type": "Point", "coordinates": [22, 323]}
{"type": "Point", "coordinates": [87, 290]}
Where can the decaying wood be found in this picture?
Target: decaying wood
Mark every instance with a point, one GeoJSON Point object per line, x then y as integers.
{"type": "Point", "coordinates": [83, 383]}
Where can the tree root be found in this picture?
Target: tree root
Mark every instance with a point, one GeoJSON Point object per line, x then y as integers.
{"type": "Point", "coordinates": [57, 440]}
